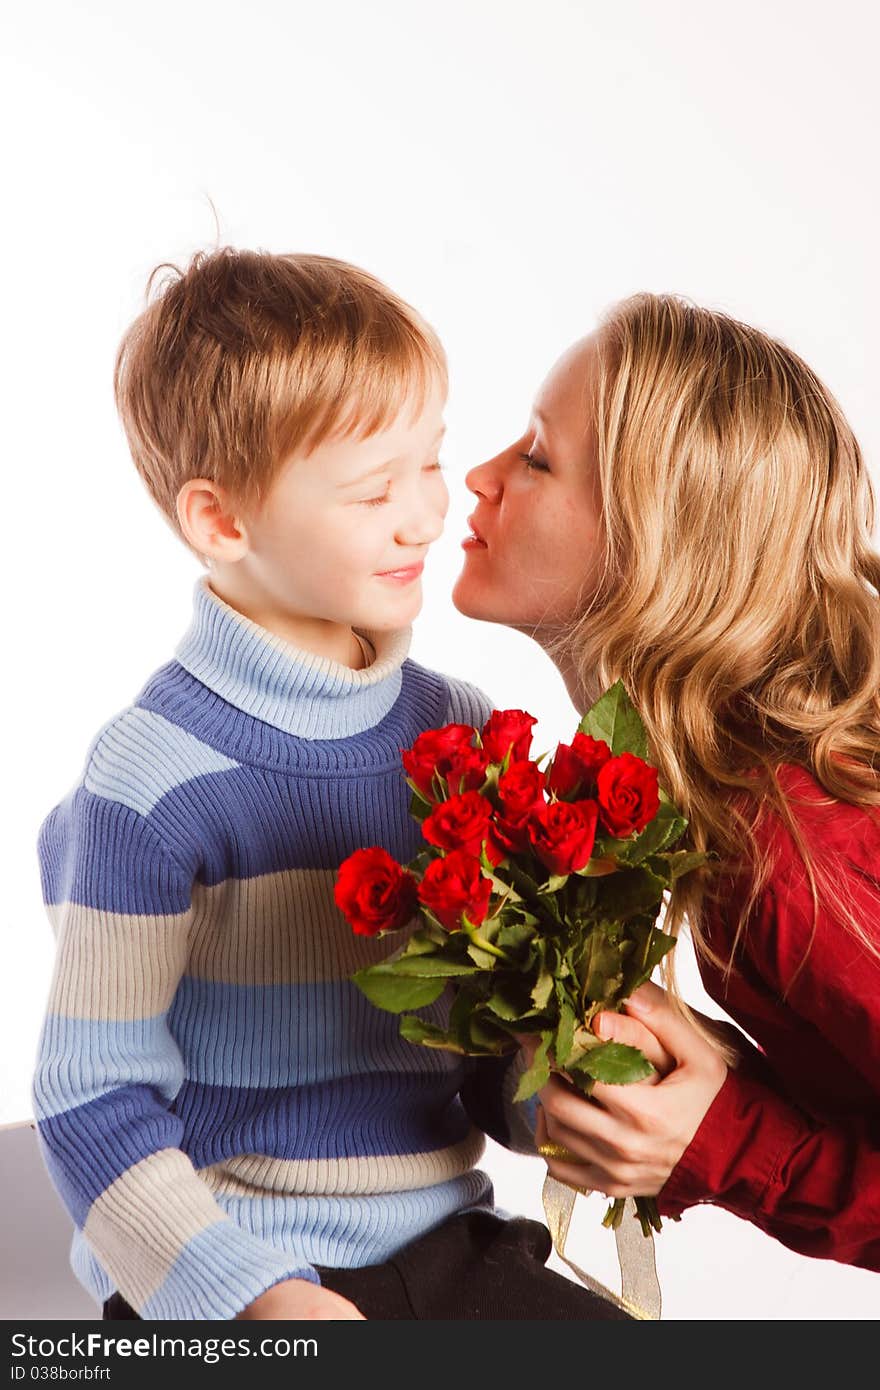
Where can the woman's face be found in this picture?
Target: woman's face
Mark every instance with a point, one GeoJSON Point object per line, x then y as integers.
{"type": "Point", "coordinates": [535, 551]}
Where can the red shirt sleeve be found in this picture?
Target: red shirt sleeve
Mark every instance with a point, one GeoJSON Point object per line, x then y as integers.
{"type": "Point", "coordinates": [792, 1140]}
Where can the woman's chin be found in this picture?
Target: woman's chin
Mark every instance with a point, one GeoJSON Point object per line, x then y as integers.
{"type": "Point", "coordinates": [473, 602]}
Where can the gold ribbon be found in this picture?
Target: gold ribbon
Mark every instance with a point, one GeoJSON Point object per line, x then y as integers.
{"type": "Point", "coordinates": [639, 1285]}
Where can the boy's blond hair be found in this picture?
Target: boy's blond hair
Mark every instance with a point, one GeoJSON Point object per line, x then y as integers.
{"type": "Point", "coordinates": [245, 357]}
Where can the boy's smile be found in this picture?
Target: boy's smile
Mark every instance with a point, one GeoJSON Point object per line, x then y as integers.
{"type": "Point", "coordinates": [340, 540]}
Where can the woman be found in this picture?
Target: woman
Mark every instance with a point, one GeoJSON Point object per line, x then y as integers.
{"type": "Point", "coordinates": [689, 511]}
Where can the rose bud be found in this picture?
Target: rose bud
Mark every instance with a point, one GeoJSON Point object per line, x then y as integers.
{"type": "Point", "coordinates": [576, 766]}
{"type": "Point", "coordinates": [463, 822]}
{"type": "Point", "coordinates": [453, 886]}
{"type": "Point", "coordinates": [562, 834]}
{"type": "Point", "coordinates": [508, 731]}
{"type": "Point", "coordinates": [521, 790]}
{"type": "Point", "coordinates": [431, 752]}
{"type": "Point", "coordinates": [628, 795]}
{"type": "Point", "coordinates": [511, 836]}
{"type": "Point", "coordinates": [374, 892]}
{"type": "Point", "coordinates": [464, 770]}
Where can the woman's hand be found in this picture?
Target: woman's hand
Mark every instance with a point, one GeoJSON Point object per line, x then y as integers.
{"type": "Point", "coordinates": [626, 1140]}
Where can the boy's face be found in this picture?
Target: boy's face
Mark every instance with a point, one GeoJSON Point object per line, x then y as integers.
{"type": "Point", "coordinates": [342, 535]}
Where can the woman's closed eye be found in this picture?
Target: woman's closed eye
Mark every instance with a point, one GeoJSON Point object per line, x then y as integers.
{"type": "Point", "coordinates": [535, 464]}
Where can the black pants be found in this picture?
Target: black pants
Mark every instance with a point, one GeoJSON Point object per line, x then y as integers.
{"type": "Point", "coordinates": [476, 1265]}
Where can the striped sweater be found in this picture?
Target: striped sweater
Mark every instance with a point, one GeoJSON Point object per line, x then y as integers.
{"type": "Point", "coordinates": [218, 1105]}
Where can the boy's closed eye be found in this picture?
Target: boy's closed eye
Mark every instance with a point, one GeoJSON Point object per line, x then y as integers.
{"type": "Point", "coordinates": [435, 467]}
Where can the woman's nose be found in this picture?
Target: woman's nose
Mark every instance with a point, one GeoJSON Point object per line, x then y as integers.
{"type": "Point", "coordinates": [485, 481]}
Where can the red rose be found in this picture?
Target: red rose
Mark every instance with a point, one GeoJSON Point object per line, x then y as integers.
{"type": "Point", "coordinates": [374, 892]}
{"type": "Point", "coordinates": [628, 795]}
{"type": "Point", "coordinates": [562, 834]}
{"type": "Point", "coordinates": [453, 886]}
{"type": "Point", "coordinates": [508, 730]}
{"type": "Point", "coordinates": [465, 770]}
{"type": "Point", "coordinates": [520, 790]}
{"type": "Point", "coordinates": [463, 822]}
{"type": "Point", "coordinates": [576, 766]}
{"type": "Point", "coordinates": [432, 752]}
{"type": "Point", "coordinates": [512, 836]}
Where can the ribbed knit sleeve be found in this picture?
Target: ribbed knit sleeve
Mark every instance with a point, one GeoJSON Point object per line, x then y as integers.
{"type": "Point", "coordinates": [466, 704]}
{"type": "Point", "coordinates": [108, 1070]}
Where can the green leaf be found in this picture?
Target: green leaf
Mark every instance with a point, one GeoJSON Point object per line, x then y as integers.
{"type": "Point", "coordinates": [584, 1041]}
{"type": "Point", "coordinates": [615, 719]}
{"type": "Point", "coordinates": [486, 1037]}
{"type": "Point", "coordinates": [420, 943]}
{"type": "Point", "coordinates": [554, 883]}
{"type": "Point", "coordinates": [542, 990]}
{"type": "Point", "coordinates": [538, 1073]}
{"type": "Point", "coordinates": [616, 1063]}
{"type": "Point", "coordinates": [517, 933]}
{"type": "Point", "coordinates": [416, 1030]}
{"type": "Point", "coordinates": [483, 959]}
{"type": "Point", "coordinates": [419, 806]}
{"type": "Point", "coordinates": [625, 895]}
{"type": "Point", "coordinates": [423, 967]}
{"type": "Point", "coordinates": [650, 945]}
{"type": "Point", "coordinates": [600, 968]}
{"type": "Point", "coordinates": [506, 1003]}
{"type": "Point", "coordinates": [666, 827]}
{"type": "Point", "coordinates": [550, 903]}
{"type": "Point", "coordinates": [600, 866]}
{"type": "Point", "coordinates": [683, 861]}
{"type": "Point", "coordinates": [564, 1029]}
{"type": "Point", "coordinates": [397, 992]}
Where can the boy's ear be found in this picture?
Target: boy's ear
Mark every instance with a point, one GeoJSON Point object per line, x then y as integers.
{"type": "Point", "coordinates": [209, 521]}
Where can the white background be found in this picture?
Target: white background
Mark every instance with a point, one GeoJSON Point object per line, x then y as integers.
{"type": "Point", "coordinates": [512, 168]}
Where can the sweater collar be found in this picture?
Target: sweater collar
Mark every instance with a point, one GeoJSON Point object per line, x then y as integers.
{"type": "Point", "coordinates": [302, 694]}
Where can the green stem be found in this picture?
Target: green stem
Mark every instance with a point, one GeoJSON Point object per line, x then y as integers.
{"type": "Point", "coordinates": [484, 945]}
{"type": "Point", "coordinates": [647, 1214]}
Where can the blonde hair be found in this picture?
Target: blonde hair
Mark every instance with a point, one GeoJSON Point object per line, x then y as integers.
{"type": "Point", "coordinates": [739, 598]}
{"type": "Point", "coordinates": [244, 357]}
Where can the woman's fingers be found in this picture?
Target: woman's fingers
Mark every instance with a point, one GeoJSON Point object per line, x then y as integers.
{"type": "Point", "coordinates": [624, 1028]}
{"type": "Point", "coordinates": [562, 1162]}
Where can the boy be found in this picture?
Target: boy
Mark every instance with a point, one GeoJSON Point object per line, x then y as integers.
{"type": "Point", "coordinates": [234, 1129]}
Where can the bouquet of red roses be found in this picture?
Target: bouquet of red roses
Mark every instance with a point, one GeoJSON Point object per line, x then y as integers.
{"type": "Point", "coordinates": [536, 894]}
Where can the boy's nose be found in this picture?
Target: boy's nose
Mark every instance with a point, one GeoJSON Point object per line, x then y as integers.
{"type": "Point", "coordinates": [424, 523]}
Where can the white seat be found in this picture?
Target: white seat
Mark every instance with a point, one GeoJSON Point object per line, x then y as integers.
{"type": "Point", "coordinates": [36, 1281]}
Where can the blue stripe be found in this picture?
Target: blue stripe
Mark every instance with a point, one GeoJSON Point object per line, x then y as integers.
{"type": "Point", "coordinates": [177, 695]}
{"type": "Point", "coordinates": [81, 1059]}
{"type": "Point", "coordinates": [350, 1232]}
{"type": "Point", "coordinates": [373, 1115]}
{"type": "Point", "coordinates": [86, 1149]}
{"type": "Point", "coordinates": [251, 821]}
{"type": "Point", "coordinates": [97, 852]}
{"type": "Point", "coordinates": [266, 1035]}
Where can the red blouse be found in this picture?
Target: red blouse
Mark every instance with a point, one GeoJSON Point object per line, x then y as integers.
{"type": "Point", "coordinates": [792, 1140]}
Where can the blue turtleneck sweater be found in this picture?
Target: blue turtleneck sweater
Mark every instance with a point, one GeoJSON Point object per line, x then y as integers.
{"type": "Point", "coordinates": [219, 1107]}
